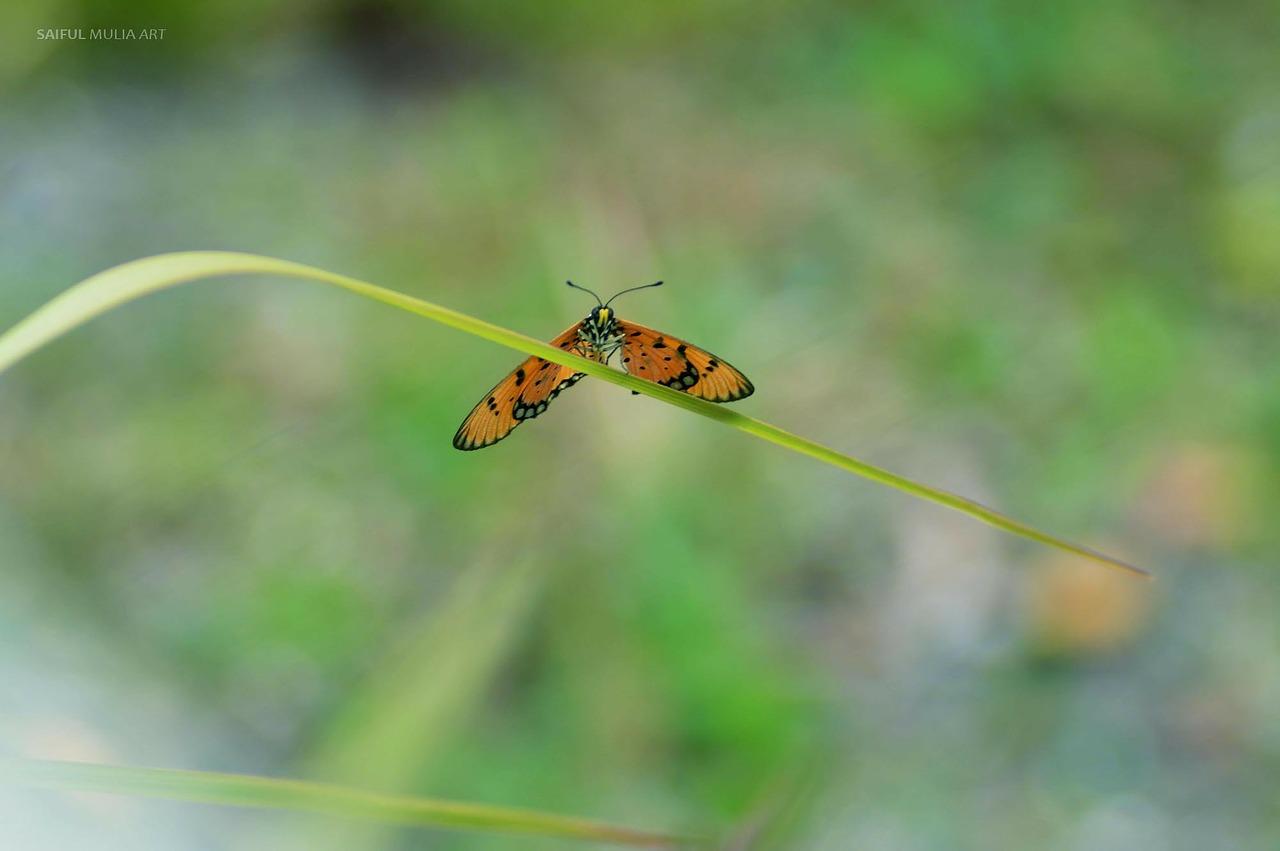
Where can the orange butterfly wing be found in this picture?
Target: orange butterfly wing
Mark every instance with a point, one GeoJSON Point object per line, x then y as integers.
{"type": "Point", "coordinates": [522, 395]}
{"type": "Point", "coordinates": [664, 359]}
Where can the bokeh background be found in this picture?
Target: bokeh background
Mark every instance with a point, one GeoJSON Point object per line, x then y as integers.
{"type": "Point", "coordinates": [1030, 253]}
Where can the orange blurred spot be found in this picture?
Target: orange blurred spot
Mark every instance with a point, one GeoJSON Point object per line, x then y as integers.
{"type": "Point", "coordinates": [1077, 607]}
{"type": "Point", "coordinates": [1195, 496]}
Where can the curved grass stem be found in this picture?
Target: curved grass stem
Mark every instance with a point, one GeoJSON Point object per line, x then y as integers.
{"type": "Point", "coordinates": [106, 290]}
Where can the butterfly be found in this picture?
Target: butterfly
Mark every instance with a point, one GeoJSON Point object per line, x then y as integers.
{"type": "Point", "coordinates": [648, 354]}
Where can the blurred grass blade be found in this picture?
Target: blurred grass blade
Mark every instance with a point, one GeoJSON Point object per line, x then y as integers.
{"type": "Point", "coordinates": [771, 822]}
{"type": "Point", "coordinates": [268, 793]}
{"type": "Point", "coordinates": [430, 683]}
{"type": "Point", "coordinates": [98, 294]}
{"type": "Point", "coordinates": [395, 726]}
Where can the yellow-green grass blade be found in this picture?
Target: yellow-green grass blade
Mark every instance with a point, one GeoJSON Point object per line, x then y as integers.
{"type": "Point", "coordinates": [423, 691]}
{"type": "Point", "coordinates": [269, 793]}
{"type": "Point", "coordinates": [431, 682]}
{"type": "Point", "coordinates": [123, 283]}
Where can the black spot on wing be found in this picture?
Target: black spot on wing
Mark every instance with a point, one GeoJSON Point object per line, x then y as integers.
{"type": "Point", "coordinates": [526, 409]}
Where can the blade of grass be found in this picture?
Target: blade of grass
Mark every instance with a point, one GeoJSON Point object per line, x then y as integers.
{"type": "Point", "coordinates": [775, 813]}
{"type": "Point", "coordinates": [98, 294]}
{"type": "Point", "coordinates": [430, 683]}
{"type": "Point", "coordinates": [268, 793]}
{"type": "Point", "coordinates": [426, 689]}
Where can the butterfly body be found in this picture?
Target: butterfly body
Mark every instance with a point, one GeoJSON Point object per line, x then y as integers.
{"type": "Point", "coordinates": [599, 334]}
{"type": "Point", "coordinates": [527, 391]}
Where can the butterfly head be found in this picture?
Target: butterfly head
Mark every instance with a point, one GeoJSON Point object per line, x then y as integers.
{"type": "Point", "coordinates": [601, 318]}
{"type": "Point", "coordinates": [601, 325]}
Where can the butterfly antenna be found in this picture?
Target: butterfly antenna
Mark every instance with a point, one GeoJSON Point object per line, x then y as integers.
{"type": "Point", "coordinates": [585, 290]}
{"type": "Point", "coordinates": [633, 289]}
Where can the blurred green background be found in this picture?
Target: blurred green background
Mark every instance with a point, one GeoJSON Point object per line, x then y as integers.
{"type": "Point", "coordinates": [1031, 254]}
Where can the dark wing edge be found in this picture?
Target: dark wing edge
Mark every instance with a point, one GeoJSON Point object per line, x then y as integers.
{"type": "Point", "coordinates": [522, 395]}
{"type": "Point", "coordinates": [672, 362]}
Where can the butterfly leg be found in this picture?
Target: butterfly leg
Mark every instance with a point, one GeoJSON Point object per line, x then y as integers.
{"type": "Point", "coordinates": [608, 349]}
{"type": "Point", "coordinates": [608, 353]}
